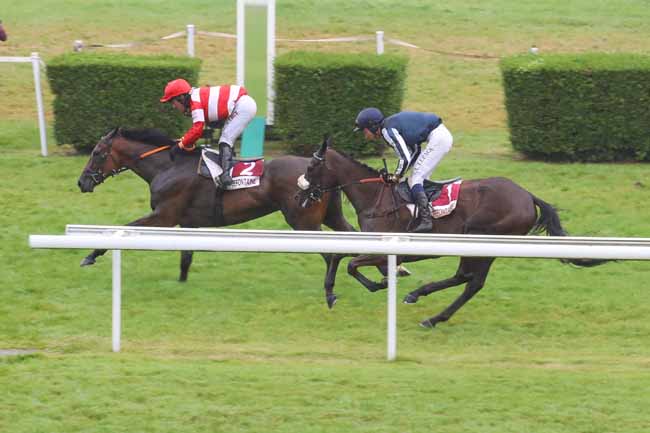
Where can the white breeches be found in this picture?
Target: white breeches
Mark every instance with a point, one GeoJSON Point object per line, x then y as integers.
{"type": "Point", "coordinates": [243, 112]}
{"type": "Point", "coordinates": [438, 144]}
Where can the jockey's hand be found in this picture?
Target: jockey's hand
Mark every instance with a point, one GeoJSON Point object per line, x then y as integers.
{"type": "Point", "coordinates": [179, 149]}
{"type": "Point", "coordinates": [388, 177]}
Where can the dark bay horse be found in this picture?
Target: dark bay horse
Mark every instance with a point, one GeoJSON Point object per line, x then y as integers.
{"type": "Point", "coordinates": [493, 206]}
{"type": "Point", "coordinates": [180, 197]}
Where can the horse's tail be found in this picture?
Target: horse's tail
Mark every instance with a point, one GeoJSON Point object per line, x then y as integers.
{"type": "Point", "coordinates": [549, 221]}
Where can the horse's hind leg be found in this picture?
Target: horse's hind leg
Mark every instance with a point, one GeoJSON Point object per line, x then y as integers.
{"type": "Point", "coordinates": [477, 268]}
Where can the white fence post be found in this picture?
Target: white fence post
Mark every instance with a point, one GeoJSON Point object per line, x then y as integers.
{"type": "Point", "coordinates": [36, 67]}
{"type": "Point", "coordinates": [392, 307]}
{"type": "Point", "coordinates": [117, 299]}
{"type": "Point", "coordinates": [241, 62]}
{"type": "Point", "coordinates": [190, 40]}
{"type": "Point", "coordinates": [380, 42]}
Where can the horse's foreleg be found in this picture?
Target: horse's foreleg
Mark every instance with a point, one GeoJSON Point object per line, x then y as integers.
{"type": "Point", "coordinates": [332, 264]}
{"type": "Point", "coordinates": [436, 286]}
{"type": "Point", "coordinates": [186, 261]}
{"type": "Point", "coordinates": [154, 219]}
{"type": "Point", "coordinates": [367, 260]}
{"type": "Point", "coordinates": [90, 258]}
{"type": "Point", "coordinates": [478, 268]}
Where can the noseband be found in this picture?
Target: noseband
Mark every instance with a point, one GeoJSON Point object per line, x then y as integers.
{"type": "Point", "coordinates": [97, 175]}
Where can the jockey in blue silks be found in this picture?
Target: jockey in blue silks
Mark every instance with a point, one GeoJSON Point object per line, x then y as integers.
{"type": "Point", "coordinates": [405, 132]}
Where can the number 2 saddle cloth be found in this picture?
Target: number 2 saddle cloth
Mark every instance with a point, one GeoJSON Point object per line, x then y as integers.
{"type": "Point", "coordinates": [245, 173]}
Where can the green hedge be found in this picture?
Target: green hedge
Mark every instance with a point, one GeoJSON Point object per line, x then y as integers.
{"type": "Point", "coordinates": [96, 92]}
{"type": "Point", "coordinates": [579, 107]}
{"type": "Point", "coordinates": [319, 93]}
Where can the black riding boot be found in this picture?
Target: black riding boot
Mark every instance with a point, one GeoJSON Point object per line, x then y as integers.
{"type": "Point", "coordinates": [426, 221]}
{"type": "Point", "coordinates": [225, 152]}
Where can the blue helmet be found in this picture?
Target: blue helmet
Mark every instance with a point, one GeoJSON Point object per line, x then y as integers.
{"type": "Point", "coordinates": [370, 118]}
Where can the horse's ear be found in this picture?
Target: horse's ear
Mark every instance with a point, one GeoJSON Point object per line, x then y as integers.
{"type": "Point", "coordinates": [323, 147]}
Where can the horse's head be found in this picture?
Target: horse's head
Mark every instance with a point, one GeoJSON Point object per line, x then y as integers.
{"type": "Point", "coordinates": [103, 162]}
{"type": "Point", "coordinates": [315, 181]}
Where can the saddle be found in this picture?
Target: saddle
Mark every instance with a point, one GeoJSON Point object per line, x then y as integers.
{"type": "Point", "coordinates": [245, 172]}
{"type": "Point", "coordinates": [432, 189]}
{"type": "Point", "coordinates": [442, 195]}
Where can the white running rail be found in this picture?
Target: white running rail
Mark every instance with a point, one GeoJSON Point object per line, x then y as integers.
{"type": "Point", "coordinates": [119, 238]}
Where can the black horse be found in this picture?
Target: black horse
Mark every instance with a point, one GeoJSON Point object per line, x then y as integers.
{"type": "Point", "coordinates": [180, 197]}
{"type": "Point", "coordinates": [493, 206]}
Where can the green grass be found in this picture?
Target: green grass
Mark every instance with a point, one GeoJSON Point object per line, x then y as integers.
{"type": "Point", "coordinates": [247, 344]}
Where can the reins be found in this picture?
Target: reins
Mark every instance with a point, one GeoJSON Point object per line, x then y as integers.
{"type": "Point", "coordinates": [116, 171]}
{"type": "Point", "coordinates": [354, 182]}
{"type": "Point", "coordinates": [394, 210]}
{"type": "Point", "coordinates": [154, 151]}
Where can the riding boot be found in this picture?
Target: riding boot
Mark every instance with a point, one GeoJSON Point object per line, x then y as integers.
{"type": "Point", "coordinates": [426, 220]}
{"type": "Point", "coordinates": [225, 152]}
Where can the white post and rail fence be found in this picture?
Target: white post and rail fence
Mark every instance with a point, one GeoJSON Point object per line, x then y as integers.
{"type": "Point", "coordinates": [36, 62]}
{"type": "Point", "coordinates": [119, 238]}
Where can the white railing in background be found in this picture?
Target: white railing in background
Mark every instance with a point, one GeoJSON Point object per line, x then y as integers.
{"type": "Point", "coordinates": [118, 238]}
{"type": "Point", "coordinates": [36, 62]}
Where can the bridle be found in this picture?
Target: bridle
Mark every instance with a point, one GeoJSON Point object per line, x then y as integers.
{"type": "Point", "coordinates": [98, 176]}
{"type": "Point", "coordinates": [314, 192]}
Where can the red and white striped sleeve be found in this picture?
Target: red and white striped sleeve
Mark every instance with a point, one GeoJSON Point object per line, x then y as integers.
{"type": "Point", "coordinates": [198, 116]}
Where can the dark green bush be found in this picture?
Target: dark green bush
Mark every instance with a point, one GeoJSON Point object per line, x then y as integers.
{"type": "Point", "coordinates": [579, 107]}
{"type": "Point", "coordinates": [96, 92]}
{"type": "Point", "coordinates": [319, 93]}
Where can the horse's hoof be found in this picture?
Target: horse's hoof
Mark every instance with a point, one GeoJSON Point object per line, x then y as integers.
{"type": "Point", "coordinates": [402, 271]}
{"type": "Point", "coordinates": [331, 300]}
{"type": "Point", "coordinates": [410, 299]}
{"type": "Point", "coordinates": [87, 261]}
{"type": "Point", "coordinates": [427, 324]}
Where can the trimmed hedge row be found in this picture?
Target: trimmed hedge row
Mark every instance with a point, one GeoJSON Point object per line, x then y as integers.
{"type": "Point", "coordinates": [96, 92]}
{"type": "Point", "coordinates": [579, 107]}
{"type": "Point", "coordinates": [322, 93]}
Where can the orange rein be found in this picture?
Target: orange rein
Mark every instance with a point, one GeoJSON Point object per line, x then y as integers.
{"type": "Point", "coordinates": [152, 152]}
{"type": "Point", "coordinates": [371, 180]}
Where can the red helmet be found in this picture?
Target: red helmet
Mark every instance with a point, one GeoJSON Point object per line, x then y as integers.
{"type": "Point", "coordinates": [175, 88]}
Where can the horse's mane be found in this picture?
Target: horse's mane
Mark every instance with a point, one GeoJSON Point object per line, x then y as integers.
{"type": "Point", "coordinates": [359, 163]}
{"type": "Point", "coordinates": [151, 136]}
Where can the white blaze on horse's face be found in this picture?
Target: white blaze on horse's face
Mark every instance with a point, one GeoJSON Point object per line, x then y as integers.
{"type": "Point", "coordinates": [303, 183]}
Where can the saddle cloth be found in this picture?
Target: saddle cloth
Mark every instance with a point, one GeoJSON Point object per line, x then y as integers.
{"type": "Point", "coordinates": [443, 196]}
{"type": "Point", "coordinates": [245, 173]}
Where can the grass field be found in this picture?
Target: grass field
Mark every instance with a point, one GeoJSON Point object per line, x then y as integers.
{"type": "Point", "coordinates": [247, 344]}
